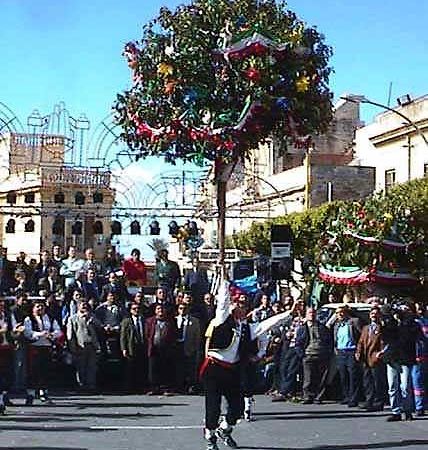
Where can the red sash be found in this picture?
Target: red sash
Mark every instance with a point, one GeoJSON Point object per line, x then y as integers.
{"type": "Point", "coordinates": [209, 360]}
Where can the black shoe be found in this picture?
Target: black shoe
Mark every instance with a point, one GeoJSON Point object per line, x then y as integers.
{"type": "Point", "coordinates": [317, 401]}
{"type": "Point", "coordinates": [226, 437]}
{"type": "Point", "coordinates": [344, 402]}
{"type": "Point", "coordinates": [408, 417]}
{"type": "Point", "coordinates": [7, 402]}
{"type": "Point", "coordinates": [2, 410]}
{"type": "Point", "coordinates": [374, 408]}
{"type": "Point", "coordinates": [352, 405]}
{"type": "Point", "coordinates": [212, 444]}
{"type": "Point", "coordinates": [365, 406]}
{"type": "Point", "coordinates": [394, 418]}
{"type": "Point", "coordinates": [420, 413]}
{"type": "Point", "coordinates": [307, 401]}
{"type": "Point", "coordinates": [29, 400]}
{"type": "Point", "coordinates": [279, 398]}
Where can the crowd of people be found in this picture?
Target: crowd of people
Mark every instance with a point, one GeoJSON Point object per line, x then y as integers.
{"type": "Point", "coordinates": [77, 316]}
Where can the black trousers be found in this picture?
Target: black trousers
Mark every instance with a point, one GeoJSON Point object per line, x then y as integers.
{"type": "Point", "coordinates": [289, 367]}
{"type": "Point", "coordinates": [186, 369]}
{"type": "Point", "coordinates": [374, 380]}
{"type": "Point", "coordinates": [161, 368]}
{"type": "Point", "coordinates": [248, 378]}
{"type": "Point", "coordinates": [39, 367]}
{"type": "Point", "coordinates": [136, 371]}
{"type": "Point", "coordinates": [220, 381]}
{"type": "Point", "coordinates": [6, 368]}
{"type": "Point", "coordinates": [315, 370]}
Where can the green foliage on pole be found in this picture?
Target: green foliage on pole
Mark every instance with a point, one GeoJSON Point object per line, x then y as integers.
{"type": "Point", "coordinates": [213, 78]}
{"type": "Point", "coordinates": [386, 232]}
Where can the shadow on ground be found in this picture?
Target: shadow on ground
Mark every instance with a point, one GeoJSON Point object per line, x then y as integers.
{"type": "Point", "coordinates": [389, 444]}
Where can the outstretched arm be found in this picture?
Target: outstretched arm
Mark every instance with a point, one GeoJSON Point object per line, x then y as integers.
{"type": "Point", "coordinates": [223, 304]}
{"type": "Point", "coordinates": [257, 329]}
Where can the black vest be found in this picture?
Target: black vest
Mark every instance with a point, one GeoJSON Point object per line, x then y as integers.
{"type": "Point", "coordinates": [223, 334]}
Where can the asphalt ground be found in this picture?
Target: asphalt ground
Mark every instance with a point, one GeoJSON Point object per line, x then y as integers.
{"type": "Point", "coordinates": [175, 423]}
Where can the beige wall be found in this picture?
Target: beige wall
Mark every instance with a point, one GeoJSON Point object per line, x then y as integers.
{"type": "Point", "coordinates": [382, 144]}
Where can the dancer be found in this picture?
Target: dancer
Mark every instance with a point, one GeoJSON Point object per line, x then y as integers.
{"type": "Point", "coordinates": [228, 341]}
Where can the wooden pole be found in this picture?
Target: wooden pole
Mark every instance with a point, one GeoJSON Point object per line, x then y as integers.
{"type": "Point", "coordinates": [221, 207]}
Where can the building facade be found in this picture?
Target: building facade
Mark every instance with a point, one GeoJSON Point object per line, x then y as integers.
{"type": "Point", "coordinates": [44, 202]}
{"type": "Point", "coordinates": [397, 148]}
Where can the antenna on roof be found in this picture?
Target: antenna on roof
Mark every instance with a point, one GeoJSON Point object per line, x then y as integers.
{"type": "Point", "coordinates": [389, 94]}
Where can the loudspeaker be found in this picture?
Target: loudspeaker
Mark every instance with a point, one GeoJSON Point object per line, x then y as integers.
{"type": "Point", "coordinates": [281, 269]}
{"type": "Point", "coordinates": [281, 233]}
{"type": "Point", "coordinates": [281, 252]}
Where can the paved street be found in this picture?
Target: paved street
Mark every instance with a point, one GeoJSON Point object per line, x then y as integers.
{"type": "Point", "coordinates": [175, 423]}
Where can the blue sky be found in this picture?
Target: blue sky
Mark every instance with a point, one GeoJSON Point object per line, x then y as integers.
{"type": "Point", "coordinates": [70, 50]}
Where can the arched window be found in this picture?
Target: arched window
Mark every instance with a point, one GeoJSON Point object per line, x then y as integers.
{"type": "Point", "coordinates": [29, 197]}
{"type": "Point", "coordinates": [29, 226]}
{"type": "Point", "coordinates": [11, 198]}
{"type": "Point", "coordinates": [10, 226]}
{"type": "Point", "coordinates": [79, 198]}
{"type": "Point", "coordinates": [116, 227]}
{"type": "Point", "coordinates": [98, 227]}
{"type": "Point", "coordinates": [58, 226]}
{"type": "Point", "coordinates": [135, 227]}
{"type": "Point", "coordinates": [76, 228]}
{"type": "Point", "coordinates": [154, 228]}
{"type": "Point", "coordinates": [97, 197]}
{"type": "Point", "coordinates": [59, 197]}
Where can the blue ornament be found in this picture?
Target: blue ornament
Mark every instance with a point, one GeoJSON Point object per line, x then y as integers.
{"type": "Point", "coordinates": [190, 96]}
{"type": "Point", "coordinates": [282, 103]}
{"type": "Point", "coordinates": [241, 21]}
{"type": "Point", "coordinates": [282, 82]}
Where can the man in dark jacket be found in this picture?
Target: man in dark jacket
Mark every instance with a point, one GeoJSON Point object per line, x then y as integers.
{"type": "Point", "coordinates": [133, 349]}
{"type": "Point", "coordinates": [160, 334]}
{"type": "Point", "coordinates": [316, 340]}
{"type": "Point", "coordinates": [369, 348]}
{"type": "Point", "coordinates": [400, 335]}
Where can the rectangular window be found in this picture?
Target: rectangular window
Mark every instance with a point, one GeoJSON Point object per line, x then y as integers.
{"type": "Point", "coordinates": [389, 179]}
{"type": "Point", "coordinates": [426, 170]}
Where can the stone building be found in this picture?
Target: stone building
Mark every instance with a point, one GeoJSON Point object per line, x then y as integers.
{"type": "Point", "coordinates": [43, 201]}
{"type": "Point", "coordinates": [278, 180]}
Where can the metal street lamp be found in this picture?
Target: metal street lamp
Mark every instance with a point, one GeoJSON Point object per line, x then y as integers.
{"type": "Point", "coordinates": [361, 99]}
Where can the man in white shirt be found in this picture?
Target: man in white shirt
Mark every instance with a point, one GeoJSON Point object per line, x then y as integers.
{"type": "Point", "coordinates": [71, 267]}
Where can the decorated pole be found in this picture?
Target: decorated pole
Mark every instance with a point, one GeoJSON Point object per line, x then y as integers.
{"type": "Point", "coordinates": [215, 78]}
{"type": "Point", "coordinates": [221, 227]}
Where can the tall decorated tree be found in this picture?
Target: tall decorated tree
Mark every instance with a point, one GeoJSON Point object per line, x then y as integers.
{"type": "Point", "coordinates": [215, 78]}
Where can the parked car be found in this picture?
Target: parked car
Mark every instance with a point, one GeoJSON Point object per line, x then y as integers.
{"type": "Point", "coordinates": [360, 310]}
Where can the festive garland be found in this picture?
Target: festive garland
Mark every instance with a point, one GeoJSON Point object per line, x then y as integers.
{"type": "Point", "coordinates": [387, 243]}
{"type": "Point", "coordinates": [353, 276]}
